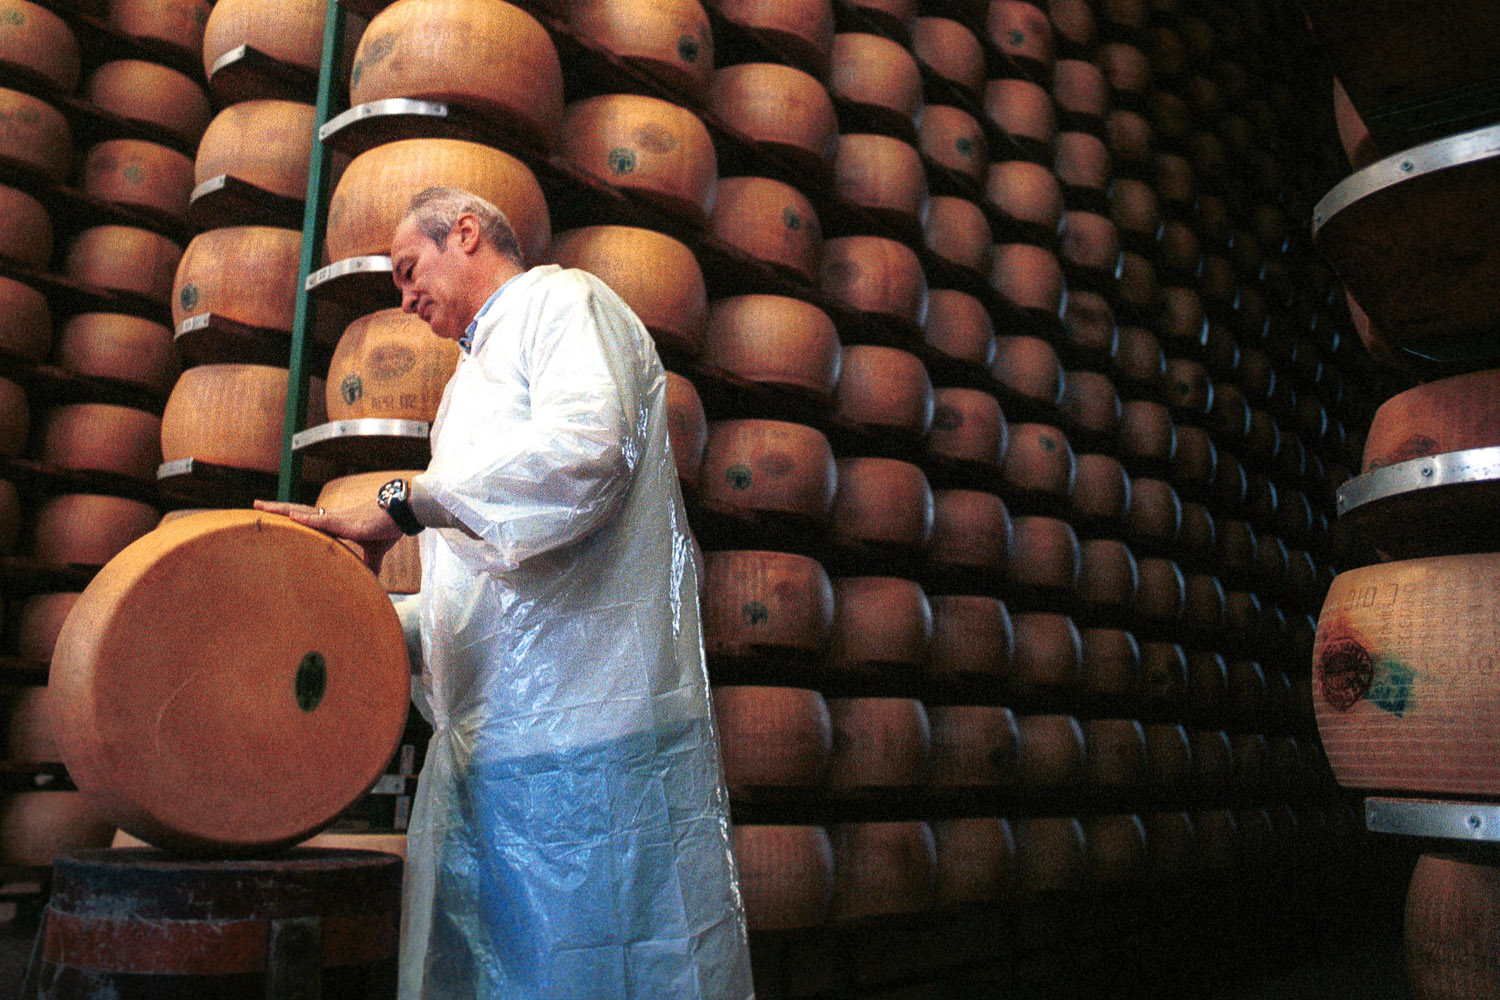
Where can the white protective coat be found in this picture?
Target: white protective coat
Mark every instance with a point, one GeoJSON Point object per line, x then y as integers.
{"type": "Point", "coordinates": [570, 834]}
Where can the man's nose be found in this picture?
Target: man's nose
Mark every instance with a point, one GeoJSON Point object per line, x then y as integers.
{"type": "Point", "coordinates": [408, 301]}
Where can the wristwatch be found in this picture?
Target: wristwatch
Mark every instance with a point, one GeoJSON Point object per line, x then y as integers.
{"type": "Point", "coordinates": [395, 499]}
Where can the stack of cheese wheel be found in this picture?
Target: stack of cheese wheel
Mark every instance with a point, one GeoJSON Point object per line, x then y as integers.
{"type": "Point", "coordinates": [170, 624]}
{"type": "Point", "coordinates": [231, 414]}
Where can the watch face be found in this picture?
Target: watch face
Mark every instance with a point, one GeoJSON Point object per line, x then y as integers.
{"type": "Point", "coordinates": [391, 491]}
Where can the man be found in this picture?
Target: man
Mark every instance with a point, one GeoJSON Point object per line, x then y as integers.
{"type": "Point", "coordinates": [570, 833]}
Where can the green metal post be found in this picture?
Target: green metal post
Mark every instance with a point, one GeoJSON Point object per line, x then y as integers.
{"type": "Point", "coordinates": [314, 222]}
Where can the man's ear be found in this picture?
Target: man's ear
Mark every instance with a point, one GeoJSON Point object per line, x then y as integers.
{"type": "Point", "coordinates": [469, 236]}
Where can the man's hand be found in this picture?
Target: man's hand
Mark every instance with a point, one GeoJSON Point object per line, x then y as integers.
{"type": "Point", "coordinates": [366, 524]}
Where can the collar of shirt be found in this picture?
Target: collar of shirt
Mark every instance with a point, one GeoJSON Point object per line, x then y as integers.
{"type": "Point", "coordinates": [466, 342]}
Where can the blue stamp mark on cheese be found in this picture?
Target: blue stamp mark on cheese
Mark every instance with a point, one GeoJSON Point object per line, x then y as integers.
{"type": "Point", "coordinates": [1392, 687]}
{"type": "Point", "coordinates": [621, 160]}
{"type": "Point", "coordinates": [311, 681]}
{"type": "Point", "coordinates": [739, 476]}
{"type": "Point", "coordinates": [755, 612]}
{"type": "Point", "coordinates": [351, 388]}
{"type": "Point", "coordinates": [188, 296]}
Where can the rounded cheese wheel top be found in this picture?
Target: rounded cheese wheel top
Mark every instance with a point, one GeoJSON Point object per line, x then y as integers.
{"type": "Point", "coordinates": [229, 683]}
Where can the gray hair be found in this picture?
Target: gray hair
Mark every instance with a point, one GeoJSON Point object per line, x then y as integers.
{"type": "Point", "coordinates": [437, 210]}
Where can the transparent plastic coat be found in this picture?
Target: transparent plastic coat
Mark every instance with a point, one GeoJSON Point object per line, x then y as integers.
{"type": "Point", "coordinates": [570, 833]}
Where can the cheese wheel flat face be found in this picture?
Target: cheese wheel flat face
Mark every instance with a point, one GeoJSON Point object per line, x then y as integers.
{"type": "Point", "coordinates": [229, 683]}
{"type": "Point", "coordinates": [1403, 676]}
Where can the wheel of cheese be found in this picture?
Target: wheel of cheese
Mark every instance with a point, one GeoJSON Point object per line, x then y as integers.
{"type": "Point", "coordinates": [25, 320]}
{"type": "Point", "coordinates": [15, 419]}
{"type": "Point", "coordinates": [102, 437]}
{"type": "Point", "coordinates": [1174, 181]}
{"type": "Point", "coordinates": [766, 601]}
{"type": "Point", "coordinates": [172, 624]}
{"type": "Point", "coordinates": [880, 623]}
{"type": "Point", "coordinates": [803, 30]}
{"type": "Point", "coordinates": [1252, 754]}
{"type": "Point", "coordinates": [1182, 320]}
{"type": "Point", "coordinates": [1043, 557]}
{"type": "Point", "coordinates": [1195, 459]}
{"type": "Point", "coordinates": [874, 274]}
{"type": "Point", "coordinates": [1171, 844]}
{"type": "Point", "coordinates": [879, 744]}
{"type": "Point", "coordinates": [401, 569]}
{"type": "Point", "coordinates": [209, 277]}
{"type": "Point", "coordinates": [967, 426]}
{"type": "Point", "coordinates": [781, 108]}
{"type": "Point", "coordinates": [646, 146]}
{"type": "Point", "coordinates": [958, 231]}
{"type": "Point", "coordinates": [875, 72]}
{"type": "Point", "coordinates": [1091, 406]}
{"type": "Point", "coordinates": [1026, 193]}
{"type": "Point", "coordinates": [976, 860]}
{"type": "Point", "coordinates": [1451, 414]}
{"type": "Point", "coordinates": [139, 174]}
{"type": "Point", "coordinates": [35, 40]}
{"type": "Point", "coordinates": [1023, 111]}
{"type": "Point", "coordinates": [1147, 435]}
{"type": "Point", "coordinates": [785, 875]}
{"type": "Point", "coordinates": [1203, 604]}
{"type": "Point", "coordinates": [1082, 162]}
{"type": "Point", "coordinates": [124, 259]}
{"type": "Point", "coordinates": [1163, 675]}
{"type": "Point", "coordinates": [1028, 367]}
{"type": "Point", "coordinates": [177, 24]}
{"type": "Point", "coordinates": [1021, 33]}
{"type": "Point", "coordinates": [1125, 67]}
{"type": "Point", "coordinates": [773, 340]}
{"type": "Point", "coordinates": [119, 347]}
{"type": "Point", "coordinates": [153, 93]}
{"type": "Point", "coordinates": [391, 365]}
{"type": "Point", "coordinates": [769, 221]}
{"type": "Point", "coordinates": [1399, 676]}
{"type": "Point", "coordinates": [1115, 753]}
{"type": "Point", "coordinates": [1213, 758]}
{"type": "Point", "coordinates": [372, 195]}
{"type": "Point", "coordinates": [1135, 287]}
{"type": "Point", "coordinates": [772, 737]}
{"type": "Point", "coordinates": [231, 414]}
{"type": "Point", "coordinates": [1159, 594]}
{"type": "Point", "coordinates": [1136, 211]}
{"type": "Point", "coordinates": [687, 428]}
{"type": "Point", "coordinates": [1452, 913]}
{"type": "Point", "coordinates": [668, 294]}
{"type": "Point", "coordinates": [1048, 656]}
{"type": "Point", "coordinates": [86, 529]}
{"type": "Point", "coordinates": [1128, 135]}
{"type": "Point", "coordinates": [492, 57]}
{"type": "Point", "coordinates": [769, 466]}
{"type": "Point", "coordinates": [1073, 23]}
{"type": "Point", "coordinates": [1030, 278]}
{"type": "Point", "coordinates": [970, 635]}
{"type": "Point", "coordinates": [1080, 91]}
{"type": "Point", "coordinates": [974, 746]}
{"type": "Point", "coordinates": [884, 388]}
{"type": "Point", "coordinates": [37, 624]}
{"type": "Point", "coordinates": [1091, 245]}
{"type": "Point", "coordinates": [263, 142]}
{"type": "Point", "coordinates": [883, 502]}
{"type": "Point", "coordinates": [1169, 757]}
{"type": "Point", "coordinates": [1354, 134]}
{"type": "Point", "coordinates": [950, 51]}
{"type": "Point", "coordinates": [970, 532]}
{"type": "Point", "coordinates": [953, 138]}
{"type": "Point", "coordinates": [1170, 118]}
{"type": "Point", "coordinates": [882, 868]}
{"type": "Point", "coordinates": [1052, 854]}
{"type": "Point", "coordinates": [25, 228]}
{"type": "Point", "coordinates": [1101, 494]}
{"type": "Point", "coordinates": [1107, 576]}
{"type": "Point", "coordinates": [671, 42]}
{"type": "Point", "coordinates": [959, 326]}
{"type": "Point", "coordinates": [1154, 515]}
{"type": "Point", "coordinates": [1230, 415]}
{"type": "Point", "coordinates": [1207, 683]}
{"type": "Point", "coordinates": [290, 33]}
{"type": "Point", "coordinates": [30, 729]}
{"type": "Point", "coordinates": [1039, 462]}
{"type": "Point", "coordinates": [1115, 850]}
{"type": "Point", "coordinates": [37, 827]}
{"type": "Point", "coordinates": [1111, 663]}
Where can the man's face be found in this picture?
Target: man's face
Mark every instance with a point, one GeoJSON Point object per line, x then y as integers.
{"type": "Point", "coordinates": [430, 279]}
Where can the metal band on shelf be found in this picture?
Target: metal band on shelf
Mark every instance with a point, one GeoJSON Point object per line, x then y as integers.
{"type": "Point", "coordinates": [1453, 468]}
{"type": "Point", "coordinates": [1445, 820]}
